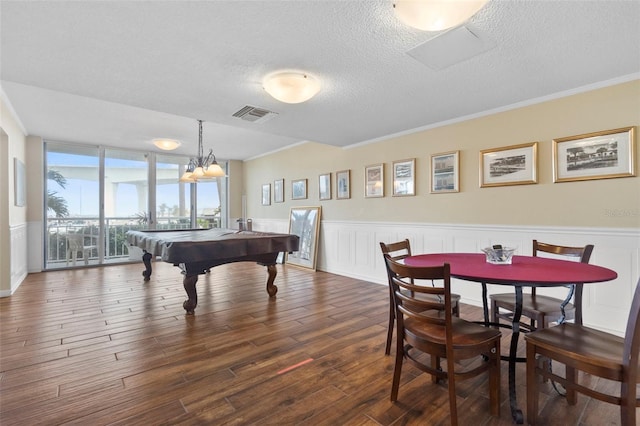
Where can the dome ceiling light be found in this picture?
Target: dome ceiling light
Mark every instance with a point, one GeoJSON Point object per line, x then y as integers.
{"type": "Point", "coordinates": [166, 144]}
{"type": "Point", "coordinates": [436, 15]}
{"type": "Point", "coordinates": [291, 87]}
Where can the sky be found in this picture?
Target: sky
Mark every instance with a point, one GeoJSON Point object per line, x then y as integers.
{"type": "Point", "coordinates": [82, 194]}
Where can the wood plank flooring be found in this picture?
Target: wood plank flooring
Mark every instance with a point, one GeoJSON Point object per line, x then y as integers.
{"type": "Point", "coordinates": [100, 346]}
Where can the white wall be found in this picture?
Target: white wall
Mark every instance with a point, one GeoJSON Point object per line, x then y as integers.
{"type": "Point", "coordinates": [13, 235]}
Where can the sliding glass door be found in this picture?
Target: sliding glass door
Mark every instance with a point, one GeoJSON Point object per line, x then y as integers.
{"type": "Point", "coordinates": [95, 195]}
{"type": "Point", "coordinates": [72, 206]}
{"type": "Point", "coordinates": [125, 197]}
{"type": "Point", "coordinates": [172, 198]}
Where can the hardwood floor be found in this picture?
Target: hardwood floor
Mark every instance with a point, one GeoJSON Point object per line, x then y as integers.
{"type": "Point", "coordinates": [100, 346]}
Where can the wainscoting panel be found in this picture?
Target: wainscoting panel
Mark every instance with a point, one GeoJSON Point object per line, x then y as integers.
{"type": "Point", "coordinates": [18, 257]}
{"type": "Point", "coordinates": [352, 249]}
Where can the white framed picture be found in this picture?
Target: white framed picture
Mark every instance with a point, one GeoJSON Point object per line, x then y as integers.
{"type": "Point", "coordinates": [324, 186]}
{"type": "Point", "coordinates": [266, 194]}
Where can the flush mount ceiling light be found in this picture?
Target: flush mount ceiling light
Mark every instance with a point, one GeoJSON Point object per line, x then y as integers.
{"type": "Point", "coordinates": [166, 144]}
{"type": "Point", "coordinates": [436, 15]}
{"type": "Point", "coordinates": [202, 167]}
{"type": "Point", "coordinates": [291, 87]}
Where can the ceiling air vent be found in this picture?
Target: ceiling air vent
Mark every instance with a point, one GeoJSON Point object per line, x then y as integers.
{"type": "Point", "coordinates": [254, 114]}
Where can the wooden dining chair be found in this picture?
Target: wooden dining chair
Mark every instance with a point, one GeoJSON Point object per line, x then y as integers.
{"type": "Point", "coordinates": [427, 326]}
{"type": "Point", "coordinates": [543, 310]}
{"type": "Point", "coordinates": [583, 349]}
{"type": "Point", "coordinates": [399, 251]}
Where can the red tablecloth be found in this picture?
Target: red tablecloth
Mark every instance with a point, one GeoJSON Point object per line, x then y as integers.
{"type": "Point", "coordinates": [524, 269]}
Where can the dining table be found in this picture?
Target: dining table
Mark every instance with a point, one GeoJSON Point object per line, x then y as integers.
{"type": "Point", "coordinates": [523, 271]}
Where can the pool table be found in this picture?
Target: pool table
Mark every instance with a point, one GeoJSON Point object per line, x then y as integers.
{"type": "Point", "coordinates": [196, 251]}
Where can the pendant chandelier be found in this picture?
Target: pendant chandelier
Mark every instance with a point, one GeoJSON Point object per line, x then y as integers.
{"type": "Point", "coordinates": [202, 167]}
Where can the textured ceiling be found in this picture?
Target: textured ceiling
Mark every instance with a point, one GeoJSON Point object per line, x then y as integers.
{"type": "Point", "coordinates": [122, 73]}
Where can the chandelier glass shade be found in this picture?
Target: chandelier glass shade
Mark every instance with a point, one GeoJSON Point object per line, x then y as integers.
{"type": "Point", "coordinates": [291, 87]}
{"type": "Point", "coordinates": [436, 15]}
{"type": "Point", "coordinates": [202, 167]}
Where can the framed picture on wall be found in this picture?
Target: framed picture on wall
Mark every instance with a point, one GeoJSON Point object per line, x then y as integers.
{"type": "Point", "coordinates": [445, 175]}
{"type": "Point", "coordinates": [299, 189]}
{"type": "Point", "coordinates": [305, 223]}
{"type": "Point", "coordinates": [343, 184]}
{"type": "Point", "coordinates": [374, 181]}
{"type": "Point", "coordinates": [404, 177]}
{"type": "Point", "coordinates": [278, 191]}
{"type": "Point", "coordinates": [511, 165]}
{"type": "Point", "coordinates": [266, 194]}
{"type": "Point", "coordinates": [324, 186]}
{"type": "Point", "coordinates": [599, 155]}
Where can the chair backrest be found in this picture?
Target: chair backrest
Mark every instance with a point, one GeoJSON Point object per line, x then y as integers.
{"type": "Point", "coordinates": [397, 251]}
{"type": "Point", "coordinates": [631, 353]}
{"type": "Point", "coordinates": [75, 241]}
{"type": "Point", "coordinates": [582, 253]}
{"type": "Point", "coordinates": [407, 295]}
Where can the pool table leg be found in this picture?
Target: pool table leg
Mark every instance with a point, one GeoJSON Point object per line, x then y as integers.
{"type": "Point", "coordinates": [146, 259]}
{"type": "Point", "coordinates": [189, 283]}
{"type": "Point", "coordinates": [272, 289]}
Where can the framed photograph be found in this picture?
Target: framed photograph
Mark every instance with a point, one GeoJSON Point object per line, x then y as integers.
{"type": "Point", "coordinates": [404, 177]}
{"type": "Point", "coordinates": [299, 189]}
{"type": "Point", "coordinates": [445, 174]}
{"type": "Point", "coordinates": [511, 165]}
{"type": "Point", "coordinates": [374, 181]}
{"type": "Point", "coordinates": [324, 186]}
{"type": "Point", "coordinates": [266, 194]}
{"type": "Point", "coordinates": [599, 155]}
{"type": "Point", "coordinates": [343, 184]}
{"type": "Point", "coordinates": [278, 191]}
{"type": "Point", "coordinates": [305, 223]}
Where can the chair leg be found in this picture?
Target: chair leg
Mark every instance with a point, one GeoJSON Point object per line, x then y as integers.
{"type": "Point", "coordinates": [397, 370]}
{"type": "Point", "coordinates": [453, 404]}
{"type": "Point", "coordinates": [392, 318]}
{"type": "Point", "coordinates": [435, 365]}
{"type": "Point", "coordinates": [456, 310]}
{"type": "Point", "coordinates": [571, 376]}
{"type": "Point", "coordinates": [494, 312]}
{"type": "Point", "coordinates": [532, 386]}
{"type": "Point", "coordinates": [494, 381]}
{"type": "Point", "coordinates": [628, 407]}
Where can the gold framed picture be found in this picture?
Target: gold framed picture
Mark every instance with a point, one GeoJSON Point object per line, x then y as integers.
{"type": "Point", "coordinates": [599, 155]}
{"type": "Point", "coordinates": [374, 181]}
{"type": "Point", "coordinates": [511, 165]}
{"type": "Point", "coordinates": [305, 223]}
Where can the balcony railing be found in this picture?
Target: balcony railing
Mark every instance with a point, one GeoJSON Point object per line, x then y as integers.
{"type": "Point", "coordinates": [87, 230]}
